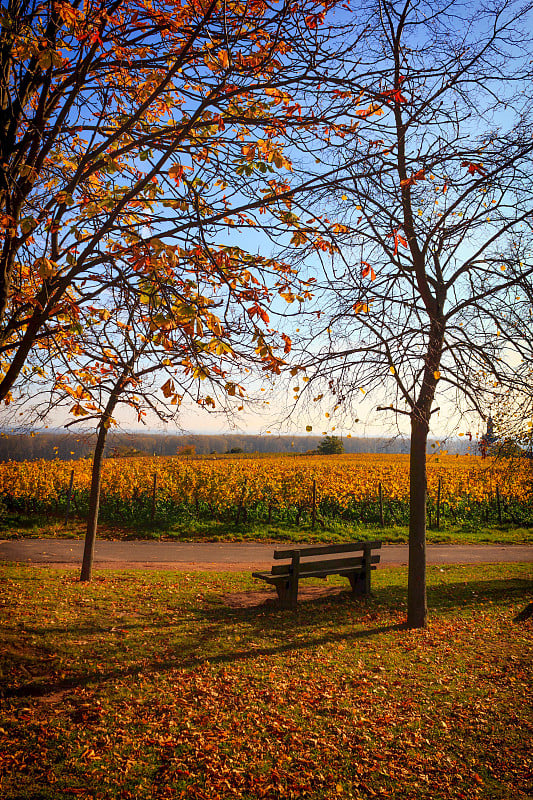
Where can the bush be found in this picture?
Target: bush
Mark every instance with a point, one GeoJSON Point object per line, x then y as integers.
{"type": "Point", "coordinates": [330, 445]}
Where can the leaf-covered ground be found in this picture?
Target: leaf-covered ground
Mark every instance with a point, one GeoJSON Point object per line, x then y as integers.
{"type": "Point", "coordinates": [152, 685]}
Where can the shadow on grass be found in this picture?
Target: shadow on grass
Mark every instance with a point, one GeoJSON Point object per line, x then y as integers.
{"type": "Point", "coordinates": [201, 636]}
{"type": "Point", "coordinates": [441, 598]}
{"type": "Point", "coordinates": [157, 666]}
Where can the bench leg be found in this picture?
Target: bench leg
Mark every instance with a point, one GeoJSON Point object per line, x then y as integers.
{"type": "Point", "coordinates": [293, 592]}
{"type": "Point", "coordinates": [358, 583]}
{"type": "Point", "coordinates": [287, 593]}
{"type": "Point", "coordinates": [282, 588]}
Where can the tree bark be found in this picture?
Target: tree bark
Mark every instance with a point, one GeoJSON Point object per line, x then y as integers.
{"type": "Point", "coordinates": [94, 505]}
{"type": "Point", "coordinates": [96, 482]}
{"type": "Point", "coordinates": [416, 584]}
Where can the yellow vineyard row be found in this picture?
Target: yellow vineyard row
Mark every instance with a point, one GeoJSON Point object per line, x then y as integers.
{"type": "Point", "coordinates": [280, 481]}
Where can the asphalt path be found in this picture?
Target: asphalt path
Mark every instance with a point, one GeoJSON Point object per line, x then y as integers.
{"type": "Point", "coordinates": [223, 556]}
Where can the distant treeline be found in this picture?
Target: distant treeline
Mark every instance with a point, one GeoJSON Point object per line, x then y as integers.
{"type": "Point", "coordinates": [66, 446]}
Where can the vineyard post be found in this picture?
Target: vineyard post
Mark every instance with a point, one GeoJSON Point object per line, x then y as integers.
{"type": "Point", "coordinates": [240, 507]}
{"type": "Point", "coordinates": [69, 495]}
{"type": "Point", "coordinates": [499, 504]}
{"type": "Point", "coordinates": [438, 503]}
{"type": "Point", "coordinates": [380, 493]}
{"type": "Point", "coordinates": [154, 492]}
{"type": "Point", "coordinates": [313, 512]}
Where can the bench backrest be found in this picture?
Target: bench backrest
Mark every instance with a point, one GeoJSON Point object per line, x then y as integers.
{"type": "Point", "coordinates": [308, 557]}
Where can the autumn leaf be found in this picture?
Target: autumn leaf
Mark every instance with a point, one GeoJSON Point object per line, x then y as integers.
{"type": "Point", "coordinates": [373, 108]}
{"type": "Point", "coordinates": [223, 57]}
{"type": "Point", "coordinates": [78, 410]}
{"type": "Point", "coordinates": [176, 172]}
{"type": "Point", "coordinates": [474, 168]}
{"type": "Point", "coordinates": [168, 388]}
{"type": "Point", "coordinates": [368, 270]}
{"type": "Point", "coordinates": [393, 94]}
{"type": "Point", "coordinates": [298, 238]}
{"type": "Point", "coordinates": [256, 310]}
{"type": "Point", "coordinates": [287, 296]}
{"type": "Point", "coordinates": [313, 20]}
{"type": "Point", "coordinates": [415, 177]}
{"type": "Point", "coordinates": [46, 268]}
{"type": "Point", "coordinates": [397, 240]}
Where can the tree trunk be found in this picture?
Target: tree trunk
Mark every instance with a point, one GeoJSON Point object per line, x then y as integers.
{"type": "Point", "coordinates": [96, 481]}
{"type": "Point", "coordinates": [416, 585]}
{"type": "Point", "coordinates": [94, 504]}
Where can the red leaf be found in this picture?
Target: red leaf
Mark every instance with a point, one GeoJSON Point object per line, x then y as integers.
{"type": "Point", "coordinates": [473, 168]}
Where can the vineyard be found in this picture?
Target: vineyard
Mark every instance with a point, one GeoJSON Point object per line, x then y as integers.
{"type": "Point", "coordinates": [367, 489]}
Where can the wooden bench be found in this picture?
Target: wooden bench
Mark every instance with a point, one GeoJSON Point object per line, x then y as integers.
{"type": "Point", "coordinates": [314, 562]}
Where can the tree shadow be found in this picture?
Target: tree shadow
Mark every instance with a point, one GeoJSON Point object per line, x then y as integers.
{"type": "Point", "coordinates": [266, 630]}
{"type": "Point", "coordinates": [157, 666]}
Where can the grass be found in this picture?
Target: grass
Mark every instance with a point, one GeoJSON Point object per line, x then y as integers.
{"type": "Point", "coordinates": [34, 526]}
{"type": "Point", "coordinates": [153, 685]}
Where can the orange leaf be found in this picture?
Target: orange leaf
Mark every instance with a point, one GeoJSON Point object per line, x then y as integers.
{"type": "Point", "coordinates": [368, 270]}
{"type": "Point", "coordinates": [367, 112]}
{"type": "Point", "coordinates": [415, 177]}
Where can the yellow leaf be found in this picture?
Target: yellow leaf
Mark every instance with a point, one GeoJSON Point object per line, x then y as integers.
{"type": "Point", "coordinates": [78, 410]}
{"type": "Point", "coordinates": [393, 370]}
{"type": "Point", "coordinates": [436, 374]}
{"type": "Point", "coordinates": [68, 14]}
{"type": "Point", "coordinates": [46, 268]}
{"type": "Point", "coordinates": [288, 296]}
